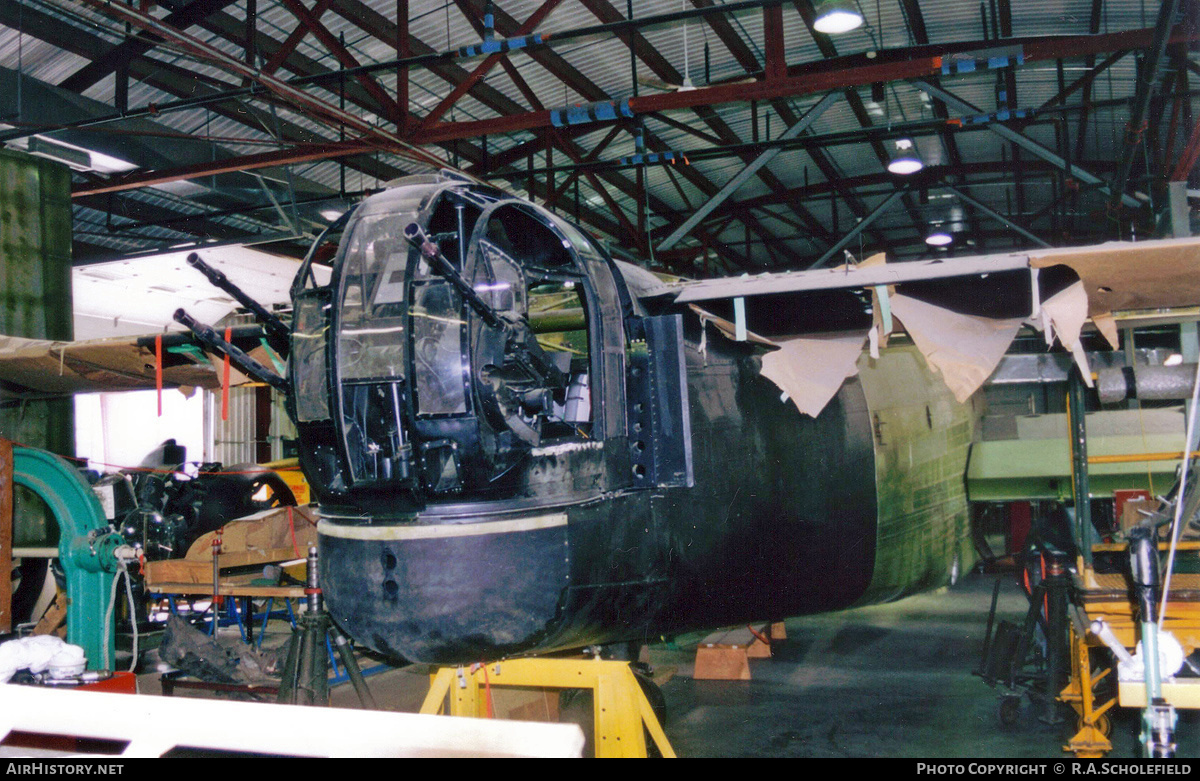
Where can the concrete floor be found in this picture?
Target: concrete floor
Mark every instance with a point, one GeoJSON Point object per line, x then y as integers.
{"type": "Point", "coordinates": [883, 681]}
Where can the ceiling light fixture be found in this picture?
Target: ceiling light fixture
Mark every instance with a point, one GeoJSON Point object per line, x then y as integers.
{"type": "Point", "coordinates": [938, 238]}
{"type": "Point", "coordinates": [905, 160]}
{"type": "Point", "coordinates": [837, 16]}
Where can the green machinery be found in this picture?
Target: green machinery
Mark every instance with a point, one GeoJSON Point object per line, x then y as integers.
{"type": "Point", "coordinates": [90, 552]}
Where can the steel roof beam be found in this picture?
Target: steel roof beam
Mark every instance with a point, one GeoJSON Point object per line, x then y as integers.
{"type": "Point", "coordinates": [1135, 130]}
{"type": "Point", "coordinates": [920, 34]}
{"type": "Point", "coordinates": [995, 215]}
{"type": "Point", "coordinates": [744, 175]}
{"type": "Point", "coordinates": [859, 228]}
{"type": "Point", "coordinates": [749, 62]}
{"type": "Point", "coordinates": [502, 160]}
{"type": "Point", "coordinates": [876, 184]}
{"type": "Point", "coordinates": [605, 12]}
{"type": "Point", "coordinates": [802, 79]}
{"type": "Point", "coordinates": [281, 55]}
{"type": "Point", "coordinates": [1020, 140]}
{"type": "Point", "coordinates": [553, 62]}
{"type": "Point", "coordinates": [825, 43]}
{"type": "Point", "coordinates": [91, 74]}
{"type": "Point", "coordinates": [386, 107]}
{"type": "Point", "coordinates": [481, 70]}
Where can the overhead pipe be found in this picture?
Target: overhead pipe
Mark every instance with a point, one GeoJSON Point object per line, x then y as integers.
{"type": "Point", "coordinates": [1145, 382]}
{"type": "Point", "coordinates": [835, 138]}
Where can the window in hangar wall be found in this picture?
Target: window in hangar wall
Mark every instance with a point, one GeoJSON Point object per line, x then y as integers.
{"type": "Point", "coordinates": [117, 430]}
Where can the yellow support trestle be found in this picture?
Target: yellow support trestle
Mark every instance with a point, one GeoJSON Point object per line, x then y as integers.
{"type": "Point", "coordinates": [622, 713]}
{"type": "Point", "coordinates": [1091, 741]}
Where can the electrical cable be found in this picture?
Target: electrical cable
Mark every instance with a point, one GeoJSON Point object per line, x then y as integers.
{"type": "Point", "coordinates": [108, 617]}
{"type": "Point", "coordinates": [132, 614]}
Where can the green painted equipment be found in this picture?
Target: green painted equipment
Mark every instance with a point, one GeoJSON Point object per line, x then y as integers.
{"type": "Point", "coordinates": [89, 550]}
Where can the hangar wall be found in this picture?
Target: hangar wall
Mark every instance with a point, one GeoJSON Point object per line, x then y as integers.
{"type": "Point", "coordinates": [35, 302]}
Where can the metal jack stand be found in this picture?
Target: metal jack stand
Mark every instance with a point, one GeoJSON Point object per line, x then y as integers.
{"type": "Point", "coordinates": [1016, 660]}
{"type": "Point", "coordinates": [306, 671]}
{"type": "Point", "coordinates": [1058, 586]}
{"type": "Point", "coordinates": [1158, 719]}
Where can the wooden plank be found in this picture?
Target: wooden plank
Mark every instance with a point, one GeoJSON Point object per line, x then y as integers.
{"type": "Point", "coordinates": [6, 535]}
{"type": "Point", "coordinates": [230, 590]}
{"type": "Point", "coordinates": [54, 620]}
{"type": "Point", "coordinates": [193, 571]}
{"type": "Point", "coordinates": [266, 533]}
{"type": "Point", "coordinates": [177, 571]}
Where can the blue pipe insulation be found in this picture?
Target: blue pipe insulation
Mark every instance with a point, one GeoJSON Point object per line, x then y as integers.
{"type": "Point", "coordinates": [591, 112]}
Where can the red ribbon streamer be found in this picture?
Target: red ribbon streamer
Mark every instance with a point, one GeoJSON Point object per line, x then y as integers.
{"type": "Point", "coordinates": [225, 379]}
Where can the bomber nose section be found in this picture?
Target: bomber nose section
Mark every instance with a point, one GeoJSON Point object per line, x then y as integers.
{"type": "Point", "coordinates": [450, 592]}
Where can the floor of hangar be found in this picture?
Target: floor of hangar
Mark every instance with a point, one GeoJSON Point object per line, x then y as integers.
{"type": "Point", "coordinates": [882, 681]}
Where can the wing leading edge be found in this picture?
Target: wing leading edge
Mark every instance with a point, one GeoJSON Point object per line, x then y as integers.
{"type": "Point", "coordinates": [962, 313]}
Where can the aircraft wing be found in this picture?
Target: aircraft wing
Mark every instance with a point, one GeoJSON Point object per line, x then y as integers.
{"type": "Point", "coordinates": [1117, 275]}
{"type": "Point", "coordinates": [114, 364]}
{"type": "Point", "coordinates": [962, 313]}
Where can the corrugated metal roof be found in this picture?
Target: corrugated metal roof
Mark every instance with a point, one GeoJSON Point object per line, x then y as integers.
{"type": "Point", "coordinates": [604, 62]}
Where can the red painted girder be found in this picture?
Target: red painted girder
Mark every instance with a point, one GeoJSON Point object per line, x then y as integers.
{"type": "Point", "coordinates": [484, 67]}
{"type": "Point", "coordinates": [388, 107]}
{"type": "Point", "coordinates": [704, 96]}
{"type": "Point", "coordinates": [293, 40]}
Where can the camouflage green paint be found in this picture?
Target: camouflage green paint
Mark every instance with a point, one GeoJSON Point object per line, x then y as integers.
{"type": "Point", "coordinates": [35, 302]}
{"type": "Point", "coordinates": [922, 437]}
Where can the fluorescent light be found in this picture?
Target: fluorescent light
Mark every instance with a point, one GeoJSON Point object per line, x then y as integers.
{"type": "Point", "coordinates": [76, 157]}
{"type": "Point", "coordinates": [938, 239]}
{"type": "Point", "coordinates": [836, 16]}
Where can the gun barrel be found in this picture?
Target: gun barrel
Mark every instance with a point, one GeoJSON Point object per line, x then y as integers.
{"type": "Point", "coordinates": [245, 363]}
{"type": "Point", "coordinates": [437, 260]}
{"type": "Point", "coordinates": [277, 330]}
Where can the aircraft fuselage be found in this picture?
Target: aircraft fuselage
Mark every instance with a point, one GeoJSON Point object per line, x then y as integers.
{"type": "Point", "coordinates": [489, 486]}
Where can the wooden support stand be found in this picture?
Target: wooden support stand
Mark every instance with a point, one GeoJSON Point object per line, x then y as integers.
{"type": "Point", "coordinates": [54, 620]}
{"type": "Point", "coordinates": [727, 657]}
{"type": "Point", "coordinates": [716, 662]}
